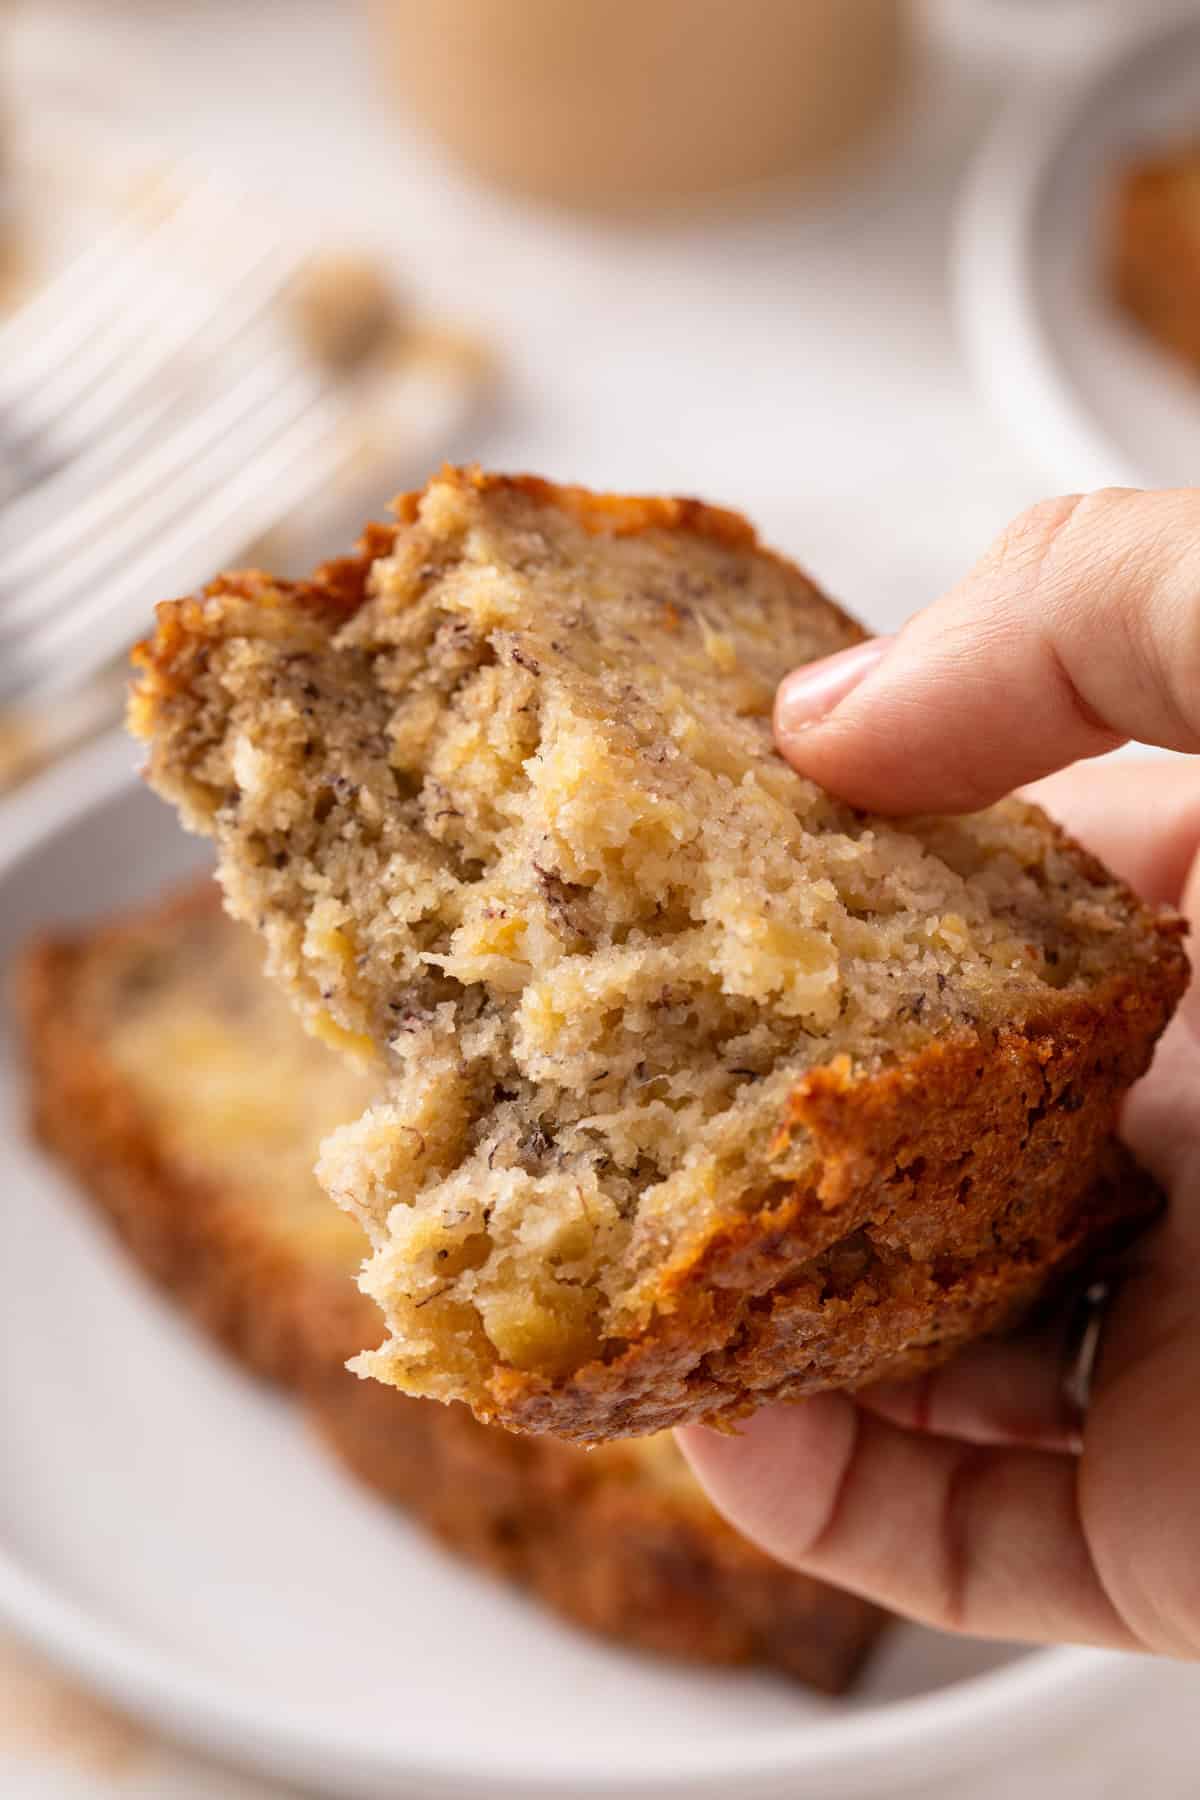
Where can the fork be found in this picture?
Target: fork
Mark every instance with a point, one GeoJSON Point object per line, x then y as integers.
{"type": "Point", "coordinates": [155, 418]}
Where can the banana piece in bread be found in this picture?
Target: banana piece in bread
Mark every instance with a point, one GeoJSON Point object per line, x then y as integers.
{"type": "Point", "coordinates": [703, 1088]}
{"type": "Point", "coordinates": [179, 1088]}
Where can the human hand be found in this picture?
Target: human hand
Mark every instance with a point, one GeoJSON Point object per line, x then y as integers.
{"type": "Point", "coordinates": [971, 1499]}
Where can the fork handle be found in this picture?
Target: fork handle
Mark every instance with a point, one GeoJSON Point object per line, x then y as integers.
{"type": "Point", "coordinates": [17, 473]}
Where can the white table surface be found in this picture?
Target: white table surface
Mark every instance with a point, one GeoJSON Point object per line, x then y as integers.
{"type": "Point", "coordinates": [800, 363]}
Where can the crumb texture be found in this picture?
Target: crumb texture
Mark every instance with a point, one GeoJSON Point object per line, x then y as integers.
{"type": "Point", "coordinates": [659, 1021]}
{"type": "Point", "coordinates": [179, 1087]}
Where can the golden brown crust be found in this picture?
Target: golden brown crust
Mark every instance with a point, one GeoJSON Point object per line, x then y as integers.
{"type": "Point", "coordinates": [948, 1191]}
{"type": "Point", "coordinates": [940, 1214]}
{"type": "Point", "coordinates": [336, 590]}
{"type": "Point", "coordinates": [622, 515]}
{"type": "Point", "coordinates": [593, 1537]}
{"type": "Point", "coordinates": [1155, 249]}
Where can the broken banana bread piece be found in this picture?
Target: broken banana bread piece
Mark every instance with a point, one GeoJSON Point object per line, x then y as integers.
{"type": "Point", "coordinates": [704, 1088]}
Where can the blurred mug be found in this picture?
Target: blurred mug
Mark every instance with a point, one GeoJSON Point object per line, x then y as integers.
{"type": "Point", "coordinates": [641, 103]}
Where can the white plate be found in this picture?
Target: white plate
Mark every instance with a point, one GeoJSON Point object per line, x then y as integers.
{"type": "Point", "coordinates": [1093, 402]}
{"type": "Point", "coordinates": [170, 1534]}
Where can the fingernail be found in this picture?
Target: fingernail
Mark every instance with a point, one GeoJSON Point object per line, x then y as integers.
{"type": "Point", "coordinates": [810, 694]}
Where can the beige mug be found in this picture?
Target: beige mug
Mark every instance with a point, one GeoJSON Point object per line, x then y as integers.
{"type": "Point", "coordinates": [643, 103]}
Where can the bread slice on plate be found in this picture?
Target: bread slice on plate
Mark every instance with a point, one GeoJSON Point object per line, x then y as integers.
{"type": "Point", "coordinates": [173, 1081]}
{"type": "Point", "coordinates": [1155, 248]}
{"type": "Point", "coordinates": [702, 1088]}
{"type": "Point", "coordinates": [180, 1089]}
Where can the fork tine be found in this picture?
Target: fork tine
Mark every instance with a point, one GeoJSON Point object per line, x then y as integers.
{"type": "Point", "coordinates": [73, 552]}
{"type": "Point", "coordinates": [77, 643]}
{"type": "Point", "coordinates": [84, 274]}
{"type": "Point", "coordinates": [169, 319]}
{"type": "Point", "coordinates": [50, 522]}
{"type": "Point", "coordinates": [60, 495]}
{"type": "Point", "coordinates": [28, 419]}
{"type": "Point", "coordinates": [138, 221]}
{"type": "Point", "coordinates": [84, 296]}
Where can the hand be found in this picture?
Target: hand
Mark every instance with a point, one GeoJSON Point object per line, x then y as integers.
{"type": "Point", "coordinates": [970, 1499]}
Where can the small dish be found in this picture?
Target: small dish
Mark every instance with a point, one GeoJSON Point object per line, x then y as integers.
{"type": "Point", "coordinates": [172, 1537]}
{"type": "Point", "coordinates": [1094, 403]}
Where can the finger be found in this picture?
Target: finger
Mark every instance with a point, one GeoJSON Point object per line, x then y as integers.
{"type": "Point", "coordinates": [1160, 1120]}
{"type": "Point", "coordinates": [960, 1536]}
{"type": "Point", "coordinates": [1079, 629]}
{"type": "Point", "coordinates": [1141, 817]}
{"type": "Point", "coordinates": [1140, 1472]}
{"type": "Point", "coordinates": [1008, 1392]}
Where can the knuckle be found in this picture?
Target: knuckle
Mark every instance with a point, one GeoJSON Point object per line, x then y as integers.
{"type": "Point", "coordinates": [1025, 543]}
{"type": "Point", "coordinates": [1154, 612]}
{"type": "Point", "coordinates": [1172, 659]}
{"type": "Point", "coordinates": [960, 1499]}
{"type": "Point", "coordinates": [1110, 583]}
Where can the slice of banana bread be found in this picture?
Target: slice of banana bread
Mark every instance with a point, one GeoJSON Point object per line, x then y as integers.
{"type": "Point", "coordinates": [704, 1088]}
{"type": "Point", "coordinates": [1155, 248]}
{"type": "Point", "coordinates": [175, 1083]}
{"type": "Point", "coordinates": [178, 1086]}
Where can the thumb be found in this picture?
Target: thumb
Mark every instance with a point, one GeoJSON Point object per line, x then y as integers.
{"type": "Point", "coordinates": [1079, 629]}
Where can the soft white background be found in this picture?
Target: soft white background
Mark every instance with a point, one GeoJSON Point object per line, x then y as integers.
{"type": "Point", "coordinates": [800, 363]}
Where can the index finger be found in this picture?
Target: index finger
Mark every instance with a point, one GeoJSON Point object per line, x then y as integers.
{"type": "Point", "coordinates": [1080, 629]}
